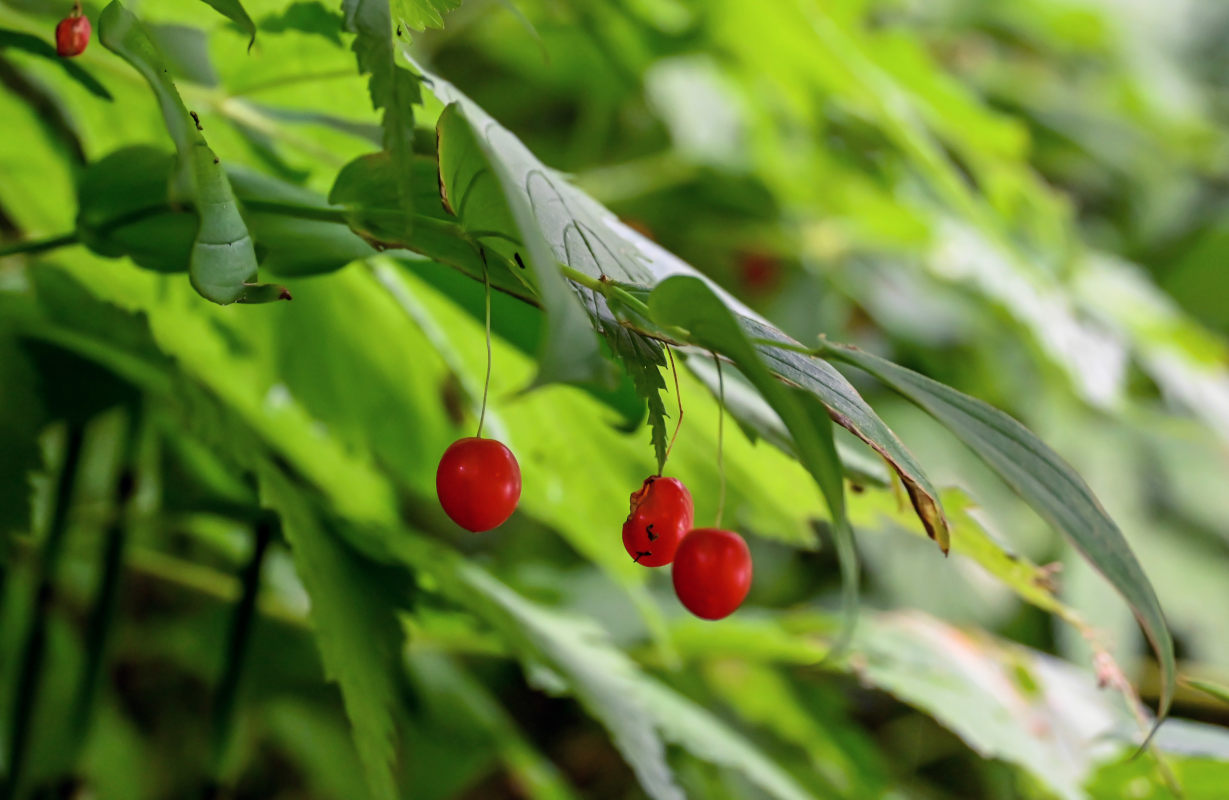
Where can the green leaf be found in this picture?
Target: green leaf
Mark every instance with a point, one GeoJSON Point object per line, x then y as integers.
{"type": "Point", "coordinates": [353, 614]}
{"type": "Point", "coordinates": [393, 88]}
{"type": "Point", "coordinates": [575, 657]}
{"type": "Point", "coordinates": [1003, 700]}
{"type": "Point", "coordinates": [455, 692]}
{"type": "Point", "coordinates": [1044, 481]}
{"type": "Point", "coordinates": [590, 239]}
{"type": "Point", "coordinates": [40, 47]}
{"type": "Point", "coordinates": [306, 17]}
{"type": "Point", "coordinates": [643, 359]}
{"type": "Point", "coordinates": [423, 14]}
{"type": "Point", "coordinates": [688, 303]}
{"type": "Point", "coordinates": [481, 191]}
{"type": "Point", "coordinates": [123, 210]}
{"type": "Point", "coordinates": [367, 188]}
{"type": "Point", "coordinates": [236, 13]}
{"type": "Point", "coordinates": [222, 264]}
{"type": "Point", "coordinates": [1217, 690]}
{"type": "Point", "coordinates": [295, 240]}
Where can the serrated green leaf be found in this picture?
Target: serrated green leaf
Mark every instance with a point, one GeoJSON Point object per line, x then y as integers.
{"type": "Point", "coordinates": [423, 14]}
{"type": "Point", "coordinates": [356, 628]}
{"type": "Point", "coordinates": [393, 88]}
{"type": "Point", "coordinates": [690, 304]}
{"type": "Point", "coordinates": [306, 17]}
{"type": "Point", "coordinates": [1047, 483]}
{"type": "Point", "coordinates": [643, 359]}
{"type": "Point", "coordinates": [236, 13]}
{"type": "Point", "coordinates": [575, 657]}
{"type": "Point", "coordinates": [222, 264]}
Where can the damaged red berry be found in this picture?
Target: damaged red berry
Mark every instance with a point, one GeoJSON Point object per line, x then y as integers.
{"type": "Point", "coordinates": [478, 483]}
{"type": "Point", "coordinates": [712, 572]}
{"type": "Point", "coordinates": [661, 512]}
{"type": "Point", "coordinates": [72, 34]}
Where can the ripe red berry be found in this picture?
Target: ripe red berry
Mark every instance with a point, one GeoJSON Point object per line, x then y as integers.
{"type": "Point", "coordinates": [712, 572]}
{"type": "Point", "coordinates": [759, 271]}
{"type": "Point", "coordinates": [478, 483]}
{"type": "Point", "coordinates": [72, 34]}
{"type": "Point", "coordinates": [661, 512]}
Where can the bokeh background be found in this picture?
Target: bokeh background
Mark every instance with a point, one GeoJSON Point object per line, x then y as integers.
{"type": "Point", "coordinates": [1027, 200]}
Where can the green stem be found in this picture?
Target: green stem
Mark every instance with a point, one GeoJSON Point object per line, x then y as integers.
{"type": "Point", "coordinates": [611, 290]}
{"type": "Point", "coordinates": [237, 647]}
{"type": "Point", "coordinates": [486, 384]}
{"type": "Point", "coordinates": [39, 245]}
{"type": "Point", "coordinates": [720, 440]}
{"type": "Point", "coordinates": [33, 650]}
{"type": "Point", "coordinates": [106, 599]}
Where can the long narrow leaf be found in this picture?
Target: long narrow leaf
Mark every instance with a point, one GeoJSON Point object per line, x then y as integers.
{"type": "Point", "coordinates": [1044, 481]}
{"type": "Point", "coordinates": [688, 303]}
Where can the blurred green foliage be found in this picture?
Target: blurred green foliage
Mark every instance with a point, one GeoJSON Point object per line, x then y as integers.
{"type": "Point", "coordinates": [1024, 200]}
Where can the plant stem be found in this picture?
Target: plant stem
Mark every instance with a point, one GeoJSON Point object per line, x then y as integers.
{"type": "Point", "coordinates": [678, 396]}
{"type": "Point", "coordinates": [39, 245]}
{"type": "Point", "coordinates": [486, 384]}
{"type": "Point", "coordinates": [106, 599]}
{"type": "Point", "coordinates": [30, 674]}
{"type": "Point", "coordinates": [237, 646]}
{"type": "Point", "coordinates": [720, 440]}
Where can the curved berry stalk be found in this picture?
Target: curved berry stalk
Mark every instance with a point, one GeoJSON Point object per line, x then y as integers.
{"type": "Point", "coordinates": [72, 34]}
{"type": "Point", "coordinates": [478, 481]}
{"type": "Point", "coordinates": [678, 397]}
{"type": "Point", "coordinates": [661, 514]}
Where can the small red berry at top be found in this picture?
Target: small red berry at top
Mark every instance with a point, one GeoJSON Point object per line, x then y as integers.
{"type": "Point", "coordinates": [478, 483]}
{"type": "Point", "coordinates": [72, 34]}
{"type": "Point", "coordinates": [712, 572]}
{"type": "Point", "coordinates": [661, 512]}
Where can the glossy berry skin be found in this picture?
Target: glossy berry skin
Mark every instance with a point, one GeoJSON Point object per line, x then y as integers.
{"type": "Point", "coordinates": [712, 572]}
{"type": "Point", "coordinates": [661, 512]}
{"type": "Point", "coordinates": [478, 483]}
{"type": "Point", "coordinates": [72, 35]}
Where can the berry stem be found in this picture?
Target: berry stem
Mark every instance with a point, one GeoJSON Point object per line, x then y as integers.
{"type": "Point", "coordinates": [486, 384]}
{"type": "Point", "coordinates": [678, 396]}
{"type": "Point", "coordinates": [720, 441]}
{"type": "Point", "coordinates": [38, 245]}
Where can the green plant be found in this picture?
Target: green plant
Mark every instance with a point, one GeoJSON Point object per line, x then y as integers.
{"type": "Point", "coordinates": [232, 505]}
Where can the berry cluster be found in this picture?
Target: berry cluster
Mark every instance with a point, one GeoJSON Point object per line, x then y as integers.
{"type": "Point", "coordinates": [711, 567]}
{"type": "Point", "coordinates": [478, 483]}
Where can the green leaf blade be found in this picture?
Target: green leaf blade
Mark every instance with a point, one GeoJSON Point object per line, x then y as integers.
{"type": "Point", "coordinates": [236, 13]}
{"type": "Point", "coordinates": [479, 188]}
{"type": "Point", "coordinates": [689, 303]}
{"type": "Point", "coordinates": [222, 264]}
{"type": "Point", "coordinates": [1047, 483]}
{"type": "Point", "coordinates": [394, 89]}
{"type": "Point", "coordinates": [356, 629]}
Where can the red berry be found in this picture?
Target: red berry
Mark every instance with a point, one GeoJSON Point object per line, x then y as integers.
{"type": "Point", "coordinates": [661, 512]}
{"type": "Point", "coordinates": [712, 572]}
{"type": "Point", "coordinates": [759, 271]}
{"type": "Point", "coordinates": [478, 483]}
{"type": "Point", "coordinates": [72, 35]}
